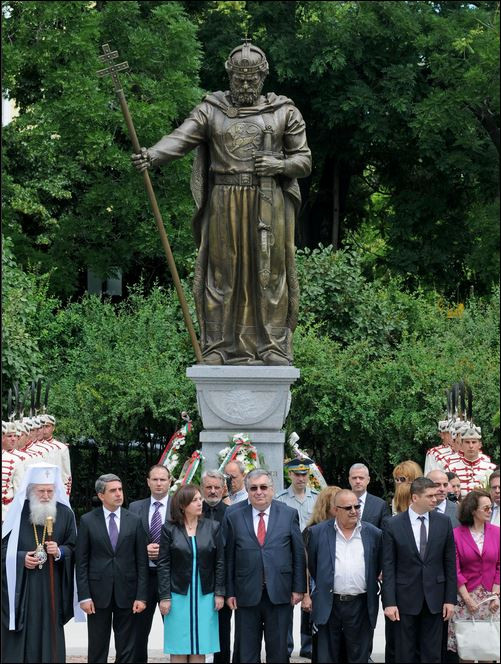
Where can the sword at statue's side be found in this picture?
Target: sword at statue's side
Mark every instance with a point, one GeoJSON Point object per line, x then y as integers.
{"type": "Point", "coordinates": [113, 70]}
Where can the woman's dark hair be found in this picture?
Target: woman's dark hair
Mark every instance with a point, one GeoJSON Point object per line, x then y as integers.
{"type": "Point", "coordinates": [180, 500]}
{"type": "Point", "coordinates": [469, 504]}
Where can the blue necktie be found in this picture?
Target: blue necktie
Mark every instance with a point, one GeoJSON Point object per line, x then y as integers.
{"type": "Point", "coordinates": [156, 523]}
{"type": "Point", "coordinates": [113, 531]}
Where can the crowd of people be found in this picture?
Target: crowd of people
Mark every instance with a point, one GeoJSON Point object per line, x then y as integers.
{"type": "Point", "coordinates": [233, 549]}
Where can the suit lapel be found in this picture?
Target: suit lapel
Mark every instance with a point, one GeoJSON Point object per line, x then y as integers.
{"type": "Point", "coordinates": [272, 519]}
{"type": "Point", "coordinates": [471, 542]}
{"type": "Point", "coordinates": [410, 535]}
{"type": "Point", "coordinates": [331, 536]}
{"type": "Point", "coordinates": [124, 526]}
{"type": "Point", "coordinates": [367, 511]}
{"type": "Point", "coordinates": [367, 547]}
{"type": "Point", "coordinates": [145, 513]}
{"type": "Point", "coordinates": [103, 526]}
{"type": "Point", "coordinates": [249, 523]}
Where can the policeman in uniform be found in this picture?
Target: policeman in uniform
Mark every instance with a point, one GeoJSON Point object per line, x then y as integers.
{"type": "Point", "coordinates": [302, 498]}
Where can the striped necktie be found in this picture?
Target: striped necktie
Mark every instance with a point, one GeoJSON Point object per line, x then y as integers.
{"type": "Point", "coordinates": [156, 523]}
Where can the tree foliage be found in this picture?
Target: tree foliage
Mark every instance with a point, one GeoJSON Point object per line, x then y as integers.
{"type": "Point", "coordinates": [401, 103]}
{"type": "Point", "coordinates": [72, 198]}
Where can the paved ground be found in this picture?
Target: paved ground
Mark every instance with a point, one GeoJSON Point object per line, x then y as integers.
{"type": "Point", "coordinates": [76, 642]}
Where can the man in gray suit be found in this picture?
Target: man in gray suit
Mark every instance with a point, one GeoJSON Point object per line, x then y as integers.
{"type": "Point", "coordinates": [372, 509]}
{"type": "Point", "coordinates": [111, 572]}
{"type": "Point", "coordinates": [344, 560]}
{"type": "Point", "coordinates": [444, 505]}
{"type": "Point", "coordinates": [266, 569]}
{"type": "Point", "coordinates": [153, 511]}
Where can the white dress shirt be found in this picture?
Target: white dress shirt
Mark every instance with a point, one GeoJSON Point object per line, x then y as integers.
{"type": "Point", "coordinates": [441, 507]}
{"type": "Point", "coordinates": [107, 518]}
{"type": "Point", "coordinates": [256, 518]}
{"type": "Point", "coordinates": [416, 525]}
{"type": "Point", "coordinates": [349, 572]}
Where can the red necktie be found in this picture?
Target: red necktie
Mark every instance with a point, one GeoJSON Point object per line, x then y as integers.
{"type": "Point", "coordinates": [261, 529]}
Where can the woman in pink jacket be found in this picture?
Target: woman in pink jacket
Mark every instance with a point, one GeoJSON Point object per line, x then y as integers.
{"type": "Point", "coordinates": [477, 561]}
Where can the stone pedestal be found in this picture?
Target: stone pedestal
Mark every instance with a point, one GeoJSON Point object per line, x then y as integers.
{"type": "Point", "coordinates": [251, 400]}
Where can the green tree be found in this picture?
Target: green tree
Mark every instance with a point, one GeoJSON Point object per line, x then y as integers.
{"type": "Point", "coordinates": [401, 103]}
{"type": "Point", "coordinates": [71, 197]}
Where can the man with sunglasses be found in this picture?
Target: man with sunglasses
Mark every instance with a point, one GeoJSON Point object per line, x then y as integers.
{"type": "Point", "coordinates": [266, 569]}
{"type": "Point", "coordinates": [344, 560]}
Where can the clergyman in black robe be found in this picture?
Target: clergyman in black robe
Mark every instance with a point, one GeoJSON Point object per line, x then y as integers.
{"type": "Point", "coordinates": [32, 639]}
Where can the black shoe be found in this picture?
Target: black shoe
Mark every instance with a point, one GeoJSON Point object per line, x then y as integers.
{"type": "Point", "coordinates": [305, 653]}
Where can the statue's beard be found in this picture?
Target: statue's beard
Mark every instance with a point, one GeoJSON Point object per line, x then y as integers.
{"type": "Point", "coordinates": [40, 511]}
{"type": "Point", "coordinates": [249, 97]}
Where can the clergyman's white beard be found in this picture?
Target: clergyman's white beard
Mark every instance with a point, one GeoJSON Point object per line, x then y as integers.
{"type": "Point", "coordinates": [40, 511]}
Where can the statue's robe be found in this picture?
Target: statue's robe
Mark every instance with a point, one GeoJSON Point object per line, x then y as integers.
{"type": "Point", "coordinates": [31, 641]}
{"type": "Point", "coordinates": [241, 320]}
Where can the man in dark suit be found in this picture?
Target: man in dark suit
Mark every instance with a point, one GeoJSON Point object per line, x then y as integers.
{"type": "Point", "coordinates": [344, 560]}
{"type": "Point", "coordinates": [419, 575]}
{"type": "Point", "coordinates": [212, 485]}
{"type": "Point", "coordinates": [266, 569]}
{"type": "Point", "coordinates": [444, 505]}
{"type": "Point", "coordinates": [372, 509]}
{"type": "Point", "coordinates": [111, 572]}
{"type": "Point", "coordinates": [153, 512]}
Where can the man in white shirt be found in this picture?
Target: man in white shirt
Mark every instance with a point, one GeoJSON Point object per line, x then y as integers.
{"type": "Point", "coordinates": [153, 512]}
{"type": "Point", "coordinates": [495, 494]}
{"type": "Point", "coordinates": [344, 560]}
{"type": "Point", "coordinates": [236, 470]}
{"type": "Point", "coordinates": [444, 505]}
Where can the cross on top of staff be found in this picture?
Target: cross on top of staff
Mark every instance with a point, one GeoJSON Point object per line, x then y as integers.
{"type": "Point", "coordinates": [113, 69]}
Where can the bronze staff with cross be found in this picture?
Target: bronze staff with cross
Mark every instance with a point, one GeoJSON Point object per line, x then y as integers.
{"type": "Point", "coordinates": [112, 70]}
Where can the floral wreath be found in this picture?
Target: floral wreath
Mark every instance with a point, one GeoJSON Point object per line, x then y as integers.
{"type": "Point", "coordinates": [241, 450]}
{"type": "Point", "coordinates": [316, 480]}
{"type": "Point", "coordinates": [191, 471]}
{"type": "Point", "coordinates": [170, 457]}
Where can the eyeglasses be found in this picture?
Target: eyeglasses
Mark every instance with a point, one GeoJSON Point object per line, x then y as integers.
{"type": "Point", "coordinates": [485, 509]}
{"type": "Point", "coordinates": [349, 508]}
{"type": "Point", "coordinates": [261, 487]}
{"type": "Point", "coordinates": [400, 480]}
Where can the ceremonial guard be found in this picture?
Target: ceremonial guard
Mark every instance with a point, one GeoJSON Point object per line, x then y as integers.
{"type": "Point", "coordinates": [12, 460]}
{"type": "Point", "coordinates": [54, 451]}
{"type": "Point", "coordinates": [435, 456]}
{"type": "Point", "coordinates": [471, 466]}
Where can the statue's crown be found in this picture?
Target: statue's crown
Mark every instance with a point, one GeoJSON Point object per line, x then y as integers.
{"type": "Point", "coordinates": [246, 59]}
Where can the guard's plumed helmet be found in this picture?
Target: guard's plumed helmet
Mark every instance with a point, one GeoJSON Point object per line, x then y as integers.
{"type": "Point", "coordinates": [246, 59]}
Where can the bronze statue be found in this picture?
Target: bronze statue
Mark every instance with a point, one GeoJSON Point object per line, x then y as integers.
{"type": "Point", "coordinates": [250, 150]}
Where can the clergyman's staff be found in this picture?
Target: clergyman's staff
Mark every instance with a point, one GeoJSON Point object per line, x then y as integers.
{"type": "Point", "coordinates": [49, 522]}
{"type": "Point", "coordinates": [113, 70]}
